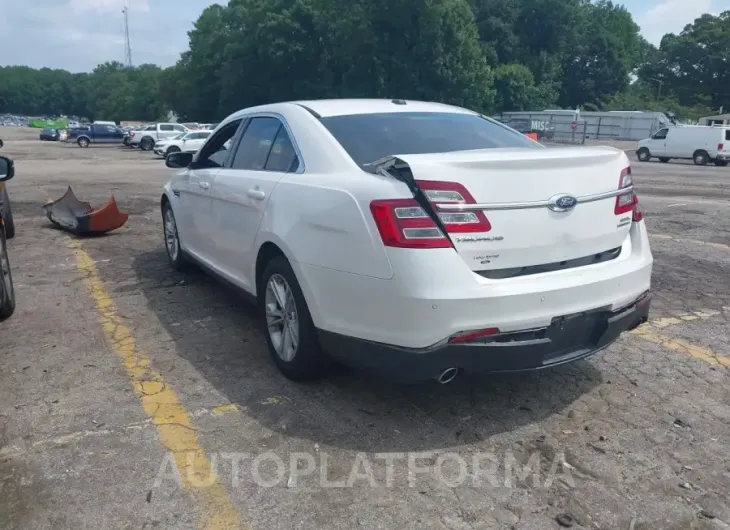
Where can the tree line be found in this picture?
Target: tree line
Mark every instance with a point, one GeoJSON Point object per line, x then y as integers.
{"type": "Point", "coordinates": [489, 55]}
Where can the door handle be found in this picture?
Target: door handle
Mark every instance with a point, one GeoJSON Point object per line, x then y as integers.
{"type": "Point", "coordinates": [204, 185]}
{"type": "Point", "coordinates": [256, 193]}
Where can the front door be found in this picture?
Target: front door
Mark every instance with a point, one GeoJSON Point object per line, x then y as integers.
{"type": "Point", "coordinates": [195, 224]}
{"type": "Point", "coordinates": [241, 192]}
{"type": "Point", "coordinates": [658, 143]}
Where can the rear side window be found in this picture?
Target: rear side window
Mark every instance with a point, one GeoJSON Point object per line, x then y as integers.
{"type": "Point", "coordinates": [727, 135]}
{"type": "Point", "coordinates": [370, 137]}
{"type": "Point", "coordinates": [282, 156]}
{"type": "Point", "coordinates": [166, 128]}
{"type": "Point", "coordinates": [256, 144]}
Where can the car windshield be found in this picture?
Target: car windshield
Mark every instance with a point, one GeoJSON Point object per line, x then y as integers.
{"type": "Point", "coordinates": [180, 136]}
{"type": "Point", "coordinates": [370, 137]}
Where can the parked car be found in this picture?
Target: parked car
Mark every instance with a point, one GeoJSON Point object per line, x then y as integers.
{"type": "Point", "coordinates": [7, 292]}
{"type": "Point", "coordinates": [49, 135]}
{"type": "Point", "coordinates": [188, 142]}
{"type": "Point", "coordinates": [147, 137]}
{"type": "Point", "coordinates": [96, 134]}
{"type": "Point", "coordinates": [700, 143]}
{"type": "Point", "coordinates": [414, 239]}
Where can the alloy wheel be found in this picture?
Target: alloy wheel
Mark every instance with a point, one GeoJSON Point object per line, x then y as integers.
{"type": "Point", "coordinates": [282, 319]}
{"type": "Point", "coordinates": [171, 240]}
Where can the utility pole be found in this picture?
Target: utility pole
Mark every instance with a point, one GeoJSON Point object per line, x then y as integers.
{"type": "Point", "coordinates": [127, 44]}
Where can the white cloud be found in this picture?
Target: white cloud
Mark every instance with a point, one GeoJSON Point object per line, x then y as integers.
{"type": "Point", "coordinates": [671, 16]}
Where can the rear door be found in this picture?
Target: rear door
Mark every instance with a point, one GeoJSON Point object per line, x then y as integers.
{"type": "Point", "coordinates": [264, 154]}
{"type": "Point", "coordinates": [514, 208]}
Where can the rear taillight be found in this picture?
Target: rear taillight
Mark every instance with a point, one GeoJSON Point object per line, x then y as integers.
{"type": "Point", "coordinates": [453, 193]}
{"type": "Point", "coordinates": [131, 134]}
{"type": "Point", "coordinates": [627, 202]}
{"type": "Point", "coordinates": [720, 147]}
{"type": "Point", "coordinates": [404, 223]}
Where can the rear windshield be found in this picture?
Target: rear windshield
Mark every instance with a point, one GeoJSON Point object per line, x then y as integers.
{"type": "Point", "coordinates": [370, 137]}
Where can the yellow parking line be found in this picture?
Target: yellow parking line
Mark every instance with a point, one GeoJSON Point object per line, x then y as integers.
{"type": "Point", "coordinates": [681, 345]}
{"type": "Point", "coordinates": [172, 421]}
{"type": "Point", "coordinates": [720, 246]}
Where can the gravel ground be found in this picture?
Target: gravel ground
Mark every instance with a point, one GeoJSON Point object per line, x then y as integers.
{"type": "Point", "coordinates": [633, 438]}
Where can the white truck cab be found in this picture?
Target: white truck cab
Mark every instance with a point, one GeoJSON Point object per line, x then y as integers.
{"type": "Point", "coordinates": [700, 143]}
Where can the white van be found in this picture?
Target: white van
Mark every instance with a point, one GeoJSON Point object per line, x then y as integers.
{"type": "Point", "coordinates": [99, 122]}
{"type": "Point", "coordinates": [700, 143]}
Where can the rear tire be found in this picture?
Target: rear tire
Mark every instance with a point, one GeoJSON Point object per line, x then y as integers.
{"type": "Point", "coordinates": [83, 142]}
{"type": "Point", "coordinates": [290, 332]}
{"type": "Point", "coordinates": [7, 214]}
{"type": "Point", "coordinates": [175, 254]}
{"type": "Point", "coordinates": [146, 144]}
{"type": "Point", "coordinates": [701, 158]}
{"type": "Point", "coordinates": [663, 159]}
{"type": "Point", "coordinates": [643, 154]}
{"type": "Point", "coordinates": [7, 292]}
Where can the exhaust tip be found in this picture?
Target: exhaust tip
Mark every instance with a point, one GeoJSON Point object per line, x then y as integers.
{"type": "Point", "coordinates": [447, 376]}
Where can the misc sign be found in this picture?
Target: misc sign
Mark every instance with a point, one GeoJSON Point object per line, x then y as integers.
{"type": "Point", "coordinates": [540, 125]}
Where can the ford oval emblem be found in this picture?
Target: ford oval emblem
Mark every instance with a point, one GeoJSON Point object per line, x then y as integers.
{"type": "Point", "coordinates": [562, 202]}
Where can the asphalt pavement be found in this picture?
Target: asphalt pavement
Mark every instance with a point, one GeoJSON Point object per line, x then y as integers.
{"type": "Point", "coordinates": [134, 396]}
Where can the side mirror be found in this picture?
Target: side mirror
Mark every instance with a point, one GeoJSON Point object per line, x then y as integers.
{"type": "Point", "coordinates": [7, 170]}
{"type": "Point", "coordinates": [178, 160]}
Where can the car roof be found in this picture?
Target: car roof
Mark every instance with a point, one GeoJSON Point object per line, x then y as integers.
{"type": "Point", "coordinates": [341, 107]}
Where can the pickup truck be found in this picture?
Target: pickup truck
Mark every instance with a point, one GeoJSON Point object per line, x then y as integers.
{"type": "Point", "coordinates": [96, 134]}
{"type": "Point", "coordinates": [147, 138]}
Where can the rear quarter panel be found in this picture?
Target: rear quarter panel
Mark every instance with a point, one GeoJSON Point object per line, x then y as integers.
{"type": "Point", "coordinates": [326, 224]}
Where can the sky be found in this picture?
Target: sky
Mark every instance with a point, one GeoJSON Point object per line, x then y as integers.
{"type": "Point", "coordinates": [77, 35]}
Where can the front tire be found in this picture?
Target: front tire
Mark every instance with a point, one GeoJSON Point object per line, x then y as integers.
{"type": "Point", "coordinates": [290, 332]}
{"type": "Point", "coordinates": [7, 214]}
{"type": "Point", "coordinates": [172, 239]}
{"type": "Point", "coordinates": [721, 163]}
{"type": "Point", "coordinates": [643, 154]}
{"type": "Point", "coordinates": [172, 149]}
{"type": "Point", "coordinates": [663, 159]}
{"type": "Point", "coordinates": [7, 292]}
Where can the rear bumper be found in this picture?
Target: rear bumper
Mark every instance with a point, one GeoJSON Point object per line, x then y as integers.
{"type": "Point", "coordinates": [567, 339]}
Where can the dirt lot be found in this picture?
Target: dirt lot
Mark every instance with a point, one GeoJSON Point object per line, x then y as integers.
{"type": "Point", "coordinates": [116, 373]}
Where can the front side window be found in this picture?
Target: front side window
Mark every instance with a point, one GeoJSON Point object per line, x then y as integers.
{"type": "Point", "coordinates": [256, 143]}
{"type": "Point", "coordinates": [370, 137]}
{"type": "Point", "coordinates": [151, 128]}
{"type": "Point", "coordinates": [661, 135]}
{"type": "Point", "coordinates": [178, 128]}
{"type": "Point", "coordinates": [215, 151]}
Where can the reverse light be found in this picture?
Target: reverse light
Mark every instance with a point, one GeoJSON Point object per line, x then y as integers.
{"type": "Point", "coordinates": [404, 223]}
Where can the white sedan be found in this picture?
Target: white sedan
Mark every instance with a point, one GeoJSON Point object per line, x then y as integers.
{"type": "Point", "coordinates": [413, 239]}
{"type": "Point", "coordinates": [189, 142]}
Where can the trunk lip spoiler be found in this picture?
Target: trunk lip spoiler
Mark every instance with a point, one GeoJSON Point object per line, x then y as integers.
{"type": "Point", "coordinates": [457, 207]}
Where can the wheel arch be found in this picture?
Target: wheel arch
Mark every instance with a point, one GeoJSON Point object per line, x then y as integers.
{"type": "Point", "coordinates": [270, 249]}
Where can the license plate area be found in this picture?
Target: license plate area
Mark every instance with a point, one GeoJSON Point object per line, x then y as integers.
{"type": "Point", "coordinates": [575, 332]}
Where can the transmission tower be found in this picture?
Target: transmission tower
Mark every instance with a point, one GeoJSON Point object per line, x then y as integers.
{"type": "Point", "coordinates": [127, 44]}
